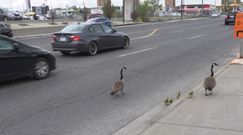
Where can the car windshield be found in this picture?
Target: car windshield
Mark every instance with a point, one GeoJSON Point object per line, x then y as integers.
{"type": "Point", "coordinates": [231, 13]}
{"type": "Point", "coordinates": [74, 28]}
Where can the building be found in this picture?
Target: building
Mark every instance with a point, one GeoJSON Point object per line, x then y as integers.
{"type": "Point", "coordinates": [100, 3]}
{"type": "Point", "coordinates": [230, 5]}
{"type": "Point", "coordinates": [169, 5]}
{"type": "Point", "coordinates": [197, 8]}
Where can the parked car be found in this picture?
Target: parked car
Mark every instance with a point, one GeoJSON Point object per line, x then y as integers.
{"type": "Point", "coordinates": [20, 60]}
{"type": "Point", "coordinates": [9, 15]}
{"type": "Point", "coordinates": [230, 18]}
{"type": "Point", "coordinates": [215, 14]}
{"type": "Point", "coordinates": [104, 20]}
{"type": "Point", "coordinates": [5, 29]}
{"type": "Point", "coordinates": [89, 38]}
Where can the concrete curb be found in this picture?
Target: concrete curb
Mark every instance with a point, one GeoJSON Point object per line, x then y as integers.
{"type": "Point", "coordinates": [149, 118]}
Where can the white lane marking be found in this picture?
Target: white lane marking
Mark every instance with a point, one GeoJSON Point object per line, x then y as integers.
{"type": "Point", "coordinates": [136, 52]}
{"type": "Point", "coordinates": [176, 31]}
{"type": "Point", "coordinates": [33, 36]}
{"type": "Point", "coordinates": [198, 36]}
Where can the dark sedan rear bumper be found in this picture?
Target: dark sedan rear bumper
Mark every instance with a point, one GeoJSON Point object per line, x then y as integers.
{"type": "Point", "coordinates": [73, 46]}
{"type": "Point", "coordinates": [229, 20]}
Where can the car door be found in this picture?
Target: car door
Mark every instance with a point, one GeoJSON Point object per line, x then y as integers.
{"type": "Point", "coordinates": [98, 35]}
{"type": "Point", "coordinates": [13, 62]}
{"type": "Point", "coordinates": [113, 39]}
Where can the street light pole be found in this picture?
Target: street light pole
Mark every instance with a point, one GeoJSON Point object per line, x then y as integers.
{"type": "Point", "coordinates": [181, 10]}
{"type": "Point", "coordinates": [202, 7]}
{"type": "Point", "coordinates": [123, 10]}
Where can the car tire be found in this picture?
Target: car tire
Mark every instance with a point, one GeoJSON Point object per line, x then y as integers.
{"type": "Point", "coordinates": [226, 23]}
{"type": "Point", "coordinates": [125, 43]}
{"type": "Point", "coordinates": [92, 49]}
{"type": "Point", "coordinates": [41, 69]}
{"type": "Point", "coordinates": [5, 19]}
{"type": "Point", "coordinates": [65, 52]}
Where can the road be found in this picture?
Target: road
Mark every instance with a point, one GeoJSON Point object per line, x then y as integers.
{"type": "Point", "coordinates": [164, 58]}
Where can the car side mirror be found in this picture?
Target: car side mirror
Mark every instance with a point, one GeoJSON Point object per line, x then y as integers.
{"type": "Point", "coordinates": [16, 47]}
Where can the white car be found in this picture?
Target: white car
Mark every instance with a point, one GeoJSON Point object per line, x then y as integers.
{"type": "Point", "coordinates": [216, 14]}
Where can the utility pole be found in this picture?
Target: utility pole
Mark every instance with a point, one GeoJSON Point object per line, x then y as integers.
{"type": "Point", "coordinates": [202, 8]}
{"type": "Point", "coordinates": [123, 10]}
{"type": "Point", "coordinates": [181, 9]}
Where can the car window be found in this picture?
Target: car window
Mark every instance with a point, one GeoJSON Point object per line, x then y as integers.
{"type": "Point", "coordinates": [5, 44]}
{"type": "Point", "coordinates": [96, 28]}
{"type": "Point", "coordinates": [74, 28]}
{"type": "Point", "coordinates": [232, 13]}
{"type": "Point", "coordinates": [1, 25]}
{"type": "Point", "coordinates": [107, 29]}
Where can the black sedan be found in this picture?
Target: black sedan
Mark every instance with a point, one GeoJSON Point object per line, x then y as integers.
{"type": "Point", "coordinates": [20, 60]}
{"type": "Point", "coordinates": [230, 18]}
{"type": "Point", "coordinates": [5, 29]}
{"type": "Point", "coordinates": [89, 38]}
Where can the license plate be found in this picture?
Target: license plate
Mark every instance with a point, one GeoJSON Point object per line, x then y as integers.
{"type": "Point", "coordinates": [63, 39]}
{"type": "Point", "coordinates": [232, 17]}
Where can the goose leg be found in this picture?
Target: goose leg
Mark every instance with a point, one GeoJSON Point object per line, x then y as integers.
{"type": "Point", "coordinates": [210, 92]}
{"type": "Point", "coordinates": [122, 92]}
{"type": "Point", "coordinates": [206, 92]}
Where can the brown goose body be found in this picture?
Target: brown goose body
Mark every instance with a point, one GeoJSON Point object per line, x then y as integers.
{"type": "Point", "coordinates": [209, 83]}
{"type": "Point", "coordinates": [118, 85]}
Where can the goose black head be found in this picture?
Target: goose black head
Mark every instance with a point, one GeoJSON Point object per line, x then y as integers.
{"type": "Point", "coordinates": [215, 64]}
{"type": "Point", "coordinates": [124, 68]}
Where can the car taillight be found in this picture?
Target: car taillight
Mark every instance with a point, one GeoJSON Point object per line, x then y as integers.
{"type": "Point", "coordinates": [53, 38]}
{"type": "Point", "coordinates": [75, 37]}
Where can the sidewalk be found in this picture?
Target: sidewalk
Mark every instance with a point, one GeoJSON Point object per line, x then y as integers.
{"type": "Point", "coordinates": [217, 114]}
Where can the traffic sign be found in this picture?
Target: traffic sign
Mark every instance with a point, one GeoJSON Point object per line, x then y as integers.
{"type": "Point", "coordinates": [238, 29]}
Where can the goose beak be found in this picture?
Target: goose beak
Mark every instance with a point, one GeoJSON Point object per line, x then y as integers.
{"type": "Point", "coordinates": [124, 68]}
{"type": "Point", "coordinates": [215, 64]}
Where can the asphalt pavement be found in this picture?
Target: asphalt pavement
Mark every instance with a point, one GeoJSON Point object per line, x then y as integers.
{"type": "Point", "coordinates": [163, 58]}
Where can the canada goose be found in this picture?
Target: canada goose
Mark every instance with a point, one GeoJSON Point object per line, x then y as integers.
{"type": "Point", "coordinates": [210, 82]}
{"type": "Point", "coordinates": [118, 85]}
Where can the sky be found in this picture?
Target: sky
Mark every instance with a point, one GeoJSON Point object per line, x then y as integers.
{"type": "Point", "coordinates": [20, 4]}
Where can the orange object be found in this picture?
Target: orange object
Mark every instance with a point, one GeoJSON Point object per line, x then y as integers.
{"type": "Point", "coordinates": [238, 29]}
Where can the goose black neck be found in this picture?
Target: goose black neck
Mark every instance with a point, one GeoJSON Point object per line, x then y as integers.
{"type": "Point", "coordinates": [121, 74]}
{"type": "Point", "coordinates": [212, 74]}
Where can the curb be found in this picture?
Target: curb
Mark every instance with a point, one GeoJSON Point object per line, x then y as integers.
{"type": "Point", "coordinates": [149, 118]}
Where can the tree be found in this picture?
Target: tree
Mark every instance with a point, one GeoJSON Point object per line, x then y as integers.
{"type": "Point", "coordinates": [108, 9]}
{"type": "Point", "coordinates": [144, 10]}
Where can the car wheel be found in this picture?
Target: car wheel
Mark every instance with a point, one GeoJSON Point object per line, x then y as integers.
{"type": "Point", "coordinates": [65, 52]}
{"type": "Point", "coordinates": [226, 23]}
{"type": "Point", "coordinates": [41, 69]}
{"type": "Point", "coordinates": [125, 43]}
{"type": "Point", "coordinates": [92, 48]}
{"type": "Point", "coordinates": [5, 19]}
